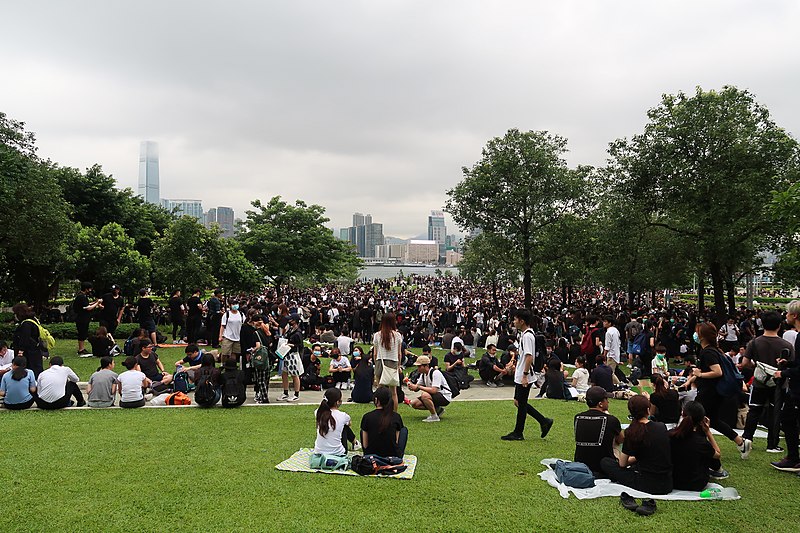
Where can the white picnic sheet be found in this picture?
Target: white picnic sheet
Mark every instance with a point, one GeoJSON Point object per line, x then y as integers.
{"type": "Point", "coordinates": [604, 487]}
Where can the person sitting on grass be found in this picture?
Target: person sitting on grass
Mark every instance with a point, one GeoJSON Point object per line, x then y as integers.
{"type": "Point", "coordinates": [509, 361]}
{"type": "Point", "coordinates": [454, 364]}
{"type": "Point", "coordinates": [152, 367]}
{"type": "Point", "coordinates": [193, 358]}
{"type": "Point", "coordinates": [339, 369]}
{"type": "Point", "coordinates": [645, 463]}
{"type": "Point", "coordinates": [695, 453]}
{"type": "Point", "coordinates": [363, 376]}
{"type": "Point", "coordinates": [57, 385]}
{"type": "Point", "coordinates": [434, 392]}
{"type": "Point", "coordinates": [555, 377]}
{"type": "Point", "coordinates": [103, 384]}
{"type": "Point", "coordinates": [490, 369]}
{"type": "Point", "coordinates": [580, 376]}
{"type": "Point", "coordinates": [602, 375]}
{"type": "Point", "coordinates": [596, 431]}
{"type": "Point", "coordinates": [665, 403]}
{"type": "Point", "coordinates": [102, 343]}
{"type": "Point", "coordinates": [659, 364]}
{"type": "Point", "coordinates": [382, 430]}
{"type": "Point", "coordinates": [18, 387]}
{"type": "Point", "coordinates": [333, 425]}
{"type": "Point", "coordinates": [132, 384]}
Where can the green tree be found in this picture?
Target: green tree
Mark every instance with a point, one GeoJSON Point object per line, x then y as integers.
{"type": "Point", "coordinates": [786, 215]}
{"type": "Point", "coordinates": [520, 186]}
{"type": "Point", "coordinates": [231, 268]}
{"type": "Point", "coordinates": [108, 256]}
{"type": "Point", "coordinates": [706, 165]}
{"type": "Point", "coordinates": [183, 257]}
{"type": "Point", "coordinates": [486, 260]}
{"type": "Point", "coordinates": [287, 243]}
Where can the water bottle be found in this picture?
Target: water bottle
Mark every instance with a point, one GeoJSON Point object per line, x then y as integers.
{"type": "Point", "coordinates": [711, 494]}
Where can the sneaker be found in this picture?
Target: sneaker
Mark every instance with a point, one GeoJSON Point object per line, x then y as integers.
{"type": "Point", "coordinates": [432, 418]}
{"type": "Point", "coordinates": [283, 398]}
{"type": "Point", "coordinates": [491, 384]}
{"type": "Point", "coordinates": [83, 352]}
{"type": "Point", "coordinates": [357, 446]}
{"type": "Point", "coordinates": [786, 465]}
{"type": "Point", "coordinates": [775, 449]}
{"type": "Point", "coordinates": [512, 436]}
{"type": "Point", "coordinates": [718, 474]}
{"type": "Point", "coordinates": [85, 355]}
{"type": "Point", "coordinates": [745, 448]}
{"type": "Point", "coordinates": [293, 398]}
{"type": "Point", "coordinates": [628, 502]}
{"type": "Point", "coordinates": [647, 508]}
{"type": "Point", "coordinates": [439, 411]}
{"type": "Point", "coordinates": [501, 384]}
{"type": "Point", "coordinates": [546, 425]}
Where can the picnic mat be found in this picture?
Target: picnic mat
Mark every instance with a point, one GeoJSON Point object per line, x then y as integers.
{"type": "Point", "coordinates": [604, 487]}
{"type": "Point", "coordinates": [298, 462]}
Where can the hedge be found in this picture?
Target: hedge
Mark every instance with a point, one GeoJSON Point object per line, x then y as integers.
{"type": "Point", "coordinates": [67, 330]}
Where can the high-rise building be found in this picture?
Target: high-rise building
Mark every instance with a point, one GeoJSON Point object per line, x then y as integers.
{"type": "Point", "coordinates": [224, 218]}
{"type": "Point", "coordinates": [192, 208]}
{"type": "Point", "coordinates": [344, 234]}
{"type": "Point", "coordinates": [358, 219]}
{"type": "Point", "coordinates": [210, 217]}
{"type": "Point", "coordinates": [417, 251]}
{"type": "Point", "coordinates": [149, 187]}
{"type": "Point", "coordinates": [437, 231]}
{"type": "Point", "coordinates": [364, 234]}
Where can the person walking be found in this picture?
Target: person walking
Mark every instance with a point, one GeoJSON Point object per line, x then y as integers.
{"type": "Point", "coordinates": [523, 376]}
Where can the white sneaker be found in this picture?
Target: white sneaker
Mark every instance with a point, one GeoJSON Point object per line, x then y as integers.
{"type": "Point", "coordinates": [357, 445]}
{"type": "Point", "coordinates": [293, 399]}
{"type": "Point", "coordinates": [432, 418]}
{"type": "Point", "coordinates": [745, 448]}
{"type": "Point", "coordinates": [283, 398]}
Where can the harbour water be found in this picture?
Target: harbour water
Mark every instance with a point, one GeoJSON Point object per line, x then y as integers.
{"type": "Point", "coordinates": [383, 272]}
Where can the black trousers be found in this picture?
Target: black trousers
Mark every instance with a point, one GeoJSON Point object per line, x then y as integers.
{"type": "Point", "coordinates": [521, 395]}
{"type": "Point", "coordinates": [790, 416]}
{"type": "Point", "coordinates": [214, 322]}
{"type": "Point", "coordinates": [71, 390]}
{"type": "Point", "coordinates": [712, 402]}
{"type": "Point", "coordinates": [631, 477]}
{"type": "Point", "coordinates": [193, 325]}
{"type": "Point", "coordinates": [177, 326]}
{"type": "Point", "coordinates": [763, 399]}
{"type": "Point", "coordinates": [19, 406]}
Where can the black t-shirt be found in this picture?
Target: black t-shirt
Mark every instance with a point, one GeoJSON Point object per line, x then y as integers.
{"type": "Point", "coordinates": [101, 346]}
{"type": "Point", "coordinates": [595, 432]}
{"type": "Point", "coordinates": [599, 333]}
{"type": "Point", "coordinates": [144, 309]}
{"type": "Point", "coordinates": [111, 306]}
{"type": "Point", "coordinates": [488, 362]}
{"type": "Point", "coordinates": [653, 455]}
{"type": "Point", "coordinates": [149, 367]}
{"type": "Point", "coordinates": [690, 457]}
{"type": "Point", "coordinates": [602, 376]}
{"type": "Point", "coordinates": [707, 357]}
{"type": "Point", "coordinates": [383, 443]}
{"type": "Point", "coordinates": [451, 358]}
{"type": "Point", "coordinates": [193, 305]}
{"type": "Point", "coordinates": [555, 378]}
{"type": "Point", "coordinates": [668, 405]}
{"type": "Point", "coordinates": [81, 301]}
{"type": "Point", "coordinates": [175, 306]}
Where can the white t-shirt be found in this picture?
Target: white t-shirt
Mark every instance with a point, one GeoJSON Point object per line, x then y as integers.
{"type": "Point", "coordinates": [438, 381]}
{"type": "Point", "coordinates": [659, 366]}
{"type": "Point", "coordinates": [233, 325]}
{"type": "Point", "coordinates": [527, 346]}
{"type": "Point", "coordinates": [789, 336]}
{"type": "Point", "coordinates": [730, 331]}
{"type": "Point", "coordinates": [343, 343]}
{"type": "Point", "coordinates": [331, 443]}
{"type": "Point", "coordinates": [342, 362]}
{"type": "Point", "coordinates": [581, 375]}
{"type": "Point", "coordinates": [131, 381]}
{"type": "Point", "coordinates": [612, 343]}
{"type": "Point", "coordinates": [53, 382]}
{"type": "Point", "coordinates": [392, 353]}
{"type": "Point", "coordinates": [9, 356]}
{"type": "Point", "coordinates": [457, 339]}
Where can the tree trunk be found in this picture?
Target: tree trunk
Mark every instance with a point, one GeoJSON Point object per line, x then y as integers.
{"type": "Point", "coordinates": [730, 287]}
{"type": "Point", "coordinates": [564, 293]}
{"type": "Point", "coordinates": [494, 296]}
{"type": "Point", "coordinates": [701, 291]}
{"type": "Point", "coordinates": [526, 285]}
{"type": "Point", "coordinates": [719, 288]}
{"type": "Point", "coordinates": [631, 295]}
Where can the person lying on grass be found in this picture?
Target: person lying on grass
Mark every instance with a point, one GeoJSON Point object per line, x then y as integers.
{"type": "Point", "coordinates": [333, 426]}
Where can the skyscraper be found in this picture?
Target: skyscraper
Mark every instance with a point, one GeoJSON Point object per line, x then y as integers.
{"type": "Point", "coordinates": [364, 233]}
{"type": "Point", "coordinates": [358, 219]}
{"type": "Point", "coordinates": [224, 217]}
{"type": "Point", "coordinates": [149, 187]}
{"type": "Point", "coordinates": [437, 231]}
{"type": "Point", "coordinates": [193, 208]}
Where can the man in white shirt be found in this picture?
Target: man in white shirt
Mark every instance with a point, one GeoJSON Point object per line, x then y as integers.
{"type": "Point", "coordinates": [435, 394]}
{"type": "Point", "coordinates": [6, 356]}
{"type": "Point", "coordinates": [229, 333]}
{"type": "Point", "coordinates": [523, 376]}
{"type": "Point", "coordinates": [57, 385]}
{"type": "Point", "coordinates": [611, 348]}
{"type": "Point", "coordinates": [343, 342]}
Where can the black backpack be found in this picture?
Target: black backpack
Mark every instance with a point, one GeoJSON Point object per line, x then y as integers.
{"type": "Point", "coordinates": [233, 388]}
{"type": "Point", "coordinates": [452, 382]}
{"type": "Point", "coordinates": [205, 393]}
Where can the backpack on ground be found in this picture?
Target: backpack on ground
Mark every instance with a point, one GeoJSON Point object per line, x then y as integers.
{"type": "Point", "coordinates": [206, 393]}
{"type": "Point", "coordinates": [731, 381]}
{"type": "Point", "coordinates": [637, 346]}
{"type": "Point", "coordinates": [573, 474]}
{"type": "Point", "coordinates": [374, 465]}
{"type": "Point", "coordinates": [180, 381]}
{"type": "Point", "coordinates": [46, 340]}
{"type": "Point", "coordinates": [233, 388]}
{"type": "Point", "coordinates": [326, 461]}
{"type": "Point", "coordinates": [178, 398]}
{"type": "Point", "coordinates": [452, 382]}
{"type": "Point", "coordinates": [127, 348]}
{"type": "Point", "coordinates": [587, 343]}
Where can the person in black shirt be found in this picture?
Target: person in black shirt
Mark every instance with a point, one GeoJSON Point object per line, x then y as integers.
{"type": "Point", "coordinates": [596, 431]}
{"type": "Point", "coordinates": [695, 453]}
{"type": "Point", "coordinates": [194, 317]}
{"type": "Point", "coordinates": [83, 309]}
{"type": "Point", "coordinates": [26, 338]}
{"type": "Point", "coordinates": [214, 317]}
{"type": "Point", "coordinates": [176, 315]}
{"type": "Point", "coordinates": [602, 375]}
{"type": "Point", "coordinates": [490, 369]}
{"type": "Point", "coordinates": [665, 402]}
{"type": "Point", "coordinates": [113, 305]}
{"type": "Point", "coordinates": [645, 463]}
{"type": "Point", "coordinates": [382, 430]}
{"type": "Point", "coordinates": [144, 312]}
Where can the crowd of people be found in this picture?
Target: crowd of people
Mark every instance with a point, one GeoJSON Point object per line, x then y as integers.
{"type": "Point", "coordinates": [596, 331]}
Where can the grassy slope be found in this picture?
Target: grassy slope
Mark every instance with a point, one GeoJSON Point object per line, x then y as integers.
{"type": "Point", "coordinates": [97, 471]}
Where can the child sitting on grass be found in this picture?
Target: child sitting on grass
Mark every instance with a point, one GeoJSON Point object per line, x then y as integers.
{"type": "Point", "coordinates": [333, 426]}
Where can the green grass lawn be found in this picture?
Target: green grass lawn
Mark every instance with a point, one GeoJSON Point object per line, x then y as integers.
{"type": "Point", "coordinates": [213, 470]}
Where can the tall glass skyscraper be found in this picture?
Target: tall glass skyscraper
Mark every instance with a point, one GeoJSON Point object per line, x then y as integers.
{"type": "Point", "coordinates": [437, 231]}
{"type": "Point", "coordinates": [149, 188]}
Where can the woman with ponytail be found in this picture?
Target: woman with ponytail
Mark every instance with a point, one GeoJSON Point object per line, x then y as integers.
{"type": "Point", "coordinates": [18, 387]}
{"type": "Point", "coordinates": [382, 430]}
{"type": "Point", "coordinates": [695, 453]}
{"type": "Point", "coordinates": [333, 426]}
{"type": "Point", "coordinates": [103, 384]}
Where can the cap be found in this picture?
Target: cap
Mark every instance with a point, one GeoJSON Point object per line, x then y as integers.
{"type": "Point", "coordinates": [115, 287]}
{"type": "Point", "coordinates": [595, 395]}
{"type": "Point", "coordinates": [423, 360]}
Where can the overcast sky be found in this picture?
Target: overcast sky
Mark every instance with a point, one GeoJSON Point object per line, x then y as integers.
{"type": "Point", "coordinates": [370, 106]}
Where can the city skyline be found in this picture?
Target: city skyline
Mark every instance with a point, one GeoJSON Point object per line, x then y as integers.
{"type": "Point", "coordinates": [379, 112]}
